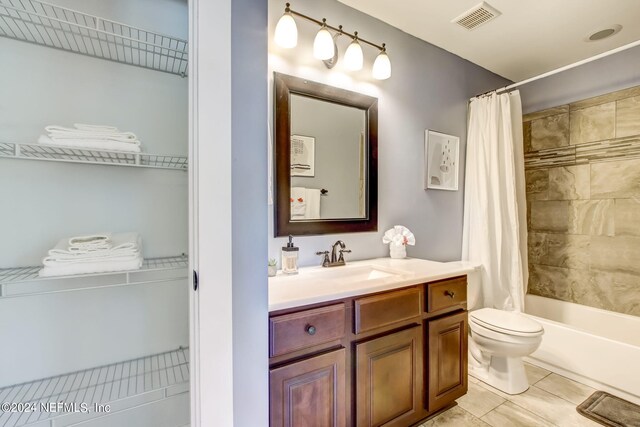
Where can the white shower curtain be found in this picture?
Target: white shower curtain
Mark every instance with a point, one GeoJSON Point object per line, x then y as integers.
{"type": "Point", "coordinates": [495, 216]}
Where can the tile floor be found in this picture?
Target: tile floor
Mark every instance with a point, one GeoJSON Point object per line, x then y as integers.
{"type": "Point", "coordinates": [550, 401]}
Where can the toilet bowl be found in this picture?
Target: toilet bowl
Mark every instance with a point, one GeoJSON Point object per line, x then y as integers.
{"type": "Point", "coordinates": [498, 342]}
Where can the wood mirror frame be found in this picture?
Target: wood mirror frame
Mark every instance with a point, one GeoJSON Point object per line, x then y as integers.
{"type": "Point", "coordinates": [284, 87]}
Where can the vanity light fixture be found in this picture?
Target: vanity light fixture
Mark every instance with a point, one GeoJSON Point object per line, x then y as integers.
{"type": "Point", "coordinates": [353, 57]}
{"type": "Point", "coordinates": [324, 47]}
{"type": "Point", "coordinates": [286, 31]}
{"type": "Point", "coordinates": [382, 65]}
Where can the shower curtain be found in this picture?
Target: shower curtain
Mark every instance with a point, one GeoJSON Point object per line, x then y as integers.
{"type": "Point", "coordinates": [495, 216]}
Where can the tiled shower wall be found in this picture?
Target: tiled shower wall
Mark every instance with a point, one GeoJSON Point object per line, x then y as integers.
{"type": "Point", "coordinates": [582, 164]}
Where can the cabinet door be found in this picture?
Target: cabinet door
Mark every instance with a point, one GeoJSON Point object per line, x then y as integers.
{"type": "Point", "coordinates": [309, 393]}
{"type": "Point", "coordinates": [447, 363]}
{"type": "Point", "coordinates": [389, 379]}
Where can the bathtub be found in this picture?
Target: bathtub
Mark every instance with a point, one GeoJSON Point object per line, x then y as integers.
{"type": "Point", "coordinates": [596, 347]}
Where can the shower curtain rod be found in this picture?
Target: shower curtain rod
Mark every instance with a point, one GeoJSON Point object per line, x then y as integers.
{"type": "Point", "coordinates": [561, 69]}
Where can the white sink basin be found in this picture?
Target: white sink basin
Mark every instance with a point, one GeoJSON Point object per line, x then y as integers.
{"type": "Point", "coordinates": [365, 274]}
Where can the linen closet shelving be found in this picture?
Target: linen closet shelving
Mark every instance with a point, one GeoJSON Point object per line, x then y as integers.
{"type": "Point", "coordinates": [130, 383]}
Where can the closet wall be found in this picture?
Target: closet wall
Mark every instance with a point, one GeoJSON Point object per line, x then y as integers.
{"type": "Point", "coordinates": [51, 334]}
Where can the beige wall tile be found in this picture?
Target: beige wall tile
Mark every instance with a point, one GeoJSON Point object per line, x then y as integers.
{"type": "Point", "coordinates": [610, 291]}
{"type": "Point", "coordinates": [584, 219]}
{"type": "Point", "coordinates": [550, 216]}
{"type": "Point", "coordinates": [593, 124]}
{"type": "Point", "coordinates": [592, 217]}
{"type": "Point", "coordinates": [569, 182]}
{"type": "Point", "coordinates": [627, 217]}
{"type": "Point", "coordinates": [551, 282]}
{"type": "Point", "coordinates": [619, 254]}
{"type": "Point", "coordinates": [538, 248]}
{"type": "Point", "coordinates": [545, 113]}
{"type": "Point", "coordinates": [537, 182]}
{"type": "Point", "coordinates": [628, 117]}
{"type": "Point", "coordinates": [550, 132]}
{"type": "Point", "coordinates": [617, 179]}
{"type": "Point", "coordinates": [625, 293]}
{"type": "Point", "coordinates": [565, 250]}
{"type": "Point", "coordinates": [526, 135]}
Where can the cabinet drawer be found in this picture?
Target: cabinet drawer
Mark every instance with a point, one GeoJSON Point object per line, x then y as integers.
{"type": "Point", "coordinates": [446, 293]}
{"type": "Point", "coordinates": [386, 309]}
{"type": "Point", "coordinates": [306, 328]}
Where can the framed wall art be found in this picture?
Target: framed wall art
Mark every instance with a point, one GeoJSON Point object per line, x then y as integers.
{"type": "Point", "coordinates": [441, 157]}
{"type": "Point", "coordinates": [302, 155]}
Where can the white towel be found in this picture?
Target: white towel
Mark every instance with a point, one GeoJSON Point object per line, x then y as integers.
{"type": "Point", "coordinates": [298, 204]}
{"type": "Point", "coordinates": [90, 144]}
{"type": "Point", "coordinates": [312, 197]}
{"type": "Point", "coordinates": [98, 128]}
{"type": "Point", "coordinates": [91, 268]}
{"type": "Point", "coordinates": [89, 240]}
{"type": "Point", "coordinates": [126, 254]}
{"type": "Point", "coordinates": [121, 245]}
{"type": "Point", "coordinates": [90, 243]}
{"type": "Point", "coordinates": [91, 132]}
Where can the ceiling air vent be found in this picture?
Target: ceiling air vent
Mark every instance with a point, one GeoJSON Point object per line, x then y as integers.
{"type": "Point", "coordinates": [476, 16]}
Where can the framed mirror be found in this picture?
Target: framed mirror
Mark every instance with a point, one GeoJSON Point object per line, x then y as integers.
{"type": "Point", "coordinates": [326, 159]}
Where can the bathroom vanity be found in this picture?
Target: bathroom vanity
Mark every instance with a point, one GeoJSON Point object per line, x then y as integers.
{"type": "Point", "coordinates": [377, 342]}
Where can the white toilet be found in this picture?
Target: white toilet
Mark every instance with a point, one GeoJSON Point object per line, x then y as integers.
{"type": "Point", "coordinates": [498, 341]}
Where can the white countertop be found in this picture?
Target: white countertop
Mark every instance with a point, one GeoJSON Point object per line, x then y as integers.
{"type": "Point", "coordinates": [319, 284]}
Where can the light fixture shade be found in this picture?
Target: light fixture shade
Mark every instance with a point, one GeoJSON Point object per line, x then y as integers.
{"type": "Point", "coordinates": [382, 67]}
{"type": "Point", "coordinates": [286, 32]}
{"type": "Point", "coordinates": [353, 58]}
{"type": "Point", "coordinates": [323, 47]}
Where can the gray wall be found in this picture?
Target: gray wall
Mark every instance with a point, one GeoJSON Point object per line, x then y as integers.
{"type": "Point", "coordinates": [614, 72]}
{"type": "Point", "coordinates": [336, 129]}
{"type": "Point", "coordinates": [45, 201]}
{"type": "Point", "coordinates": [249, 245]}
{"type": "Point", "coordinates": [429, 89]}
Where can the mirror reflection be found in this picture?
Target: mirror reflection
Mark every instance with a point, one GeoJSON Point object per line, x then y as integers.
{"type": "Point", "coordinates": [328, 160]}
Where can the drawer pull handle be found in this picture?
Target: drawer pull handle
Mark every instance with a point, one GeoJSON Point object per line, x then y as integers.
{"type": "Point", "coordinates": [311, 330]}
{"type": "Point", "coordinates": [450, 294]}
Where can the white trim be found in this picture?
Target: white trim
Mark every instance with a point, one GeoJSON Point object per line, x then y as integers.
{"type": "Point", "coordinates": [211, 329]}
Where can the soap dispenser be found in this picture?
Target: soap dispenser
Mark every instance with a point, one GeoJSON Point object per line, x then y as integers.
{"type": "Point", "coordinates": [290, 258]}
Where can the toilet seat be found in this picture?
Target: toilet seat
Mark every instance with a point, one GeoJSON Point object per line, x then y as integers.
{"type": "Point", "coordinates": [506, 322]}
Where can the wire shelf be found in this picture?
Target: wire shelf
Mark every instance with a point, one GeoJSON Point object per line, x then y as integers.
{"type": "Point", "coordinates": [23, 281]}
{"type": "Point", "coordinates": [88, 156]}
{"type": "Point", "coordinates": [99, 385]}
{"type": "Point", "coordinates": [57, 27]}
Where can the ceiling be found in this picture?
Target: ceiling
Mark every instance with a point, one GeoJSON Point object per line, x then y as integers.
{"type": "Point", "coordinates": [529, 38]}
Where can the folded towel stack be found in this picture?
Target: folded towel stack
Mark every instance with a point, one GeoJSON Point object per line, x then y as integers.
{"type": "Point", "coordinates": [91, 137]}
{"type": "Point", "coordinates": [99, 253]}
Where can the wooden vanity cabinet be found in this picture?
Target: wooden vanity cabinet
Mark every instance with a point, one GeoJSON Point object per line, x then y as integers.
{"type": "Point", "coordinates": [446, 332]}
{"type": "Point", "coordinates": [310, 392]}
{"type": "Point", "coordinates": [387, 359]}
{"type": "Point", "coordinates": [389, 379]}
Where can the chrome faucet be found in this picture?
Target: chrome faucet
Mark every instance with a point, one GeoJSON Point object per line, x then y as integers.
{"type": "Point", "coordinates": [335, 260]}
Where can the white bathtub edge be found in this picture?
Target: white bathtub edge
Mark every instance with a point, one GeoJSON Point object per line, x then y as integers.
{"type": "Point", "coordinates": [593, 360]}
